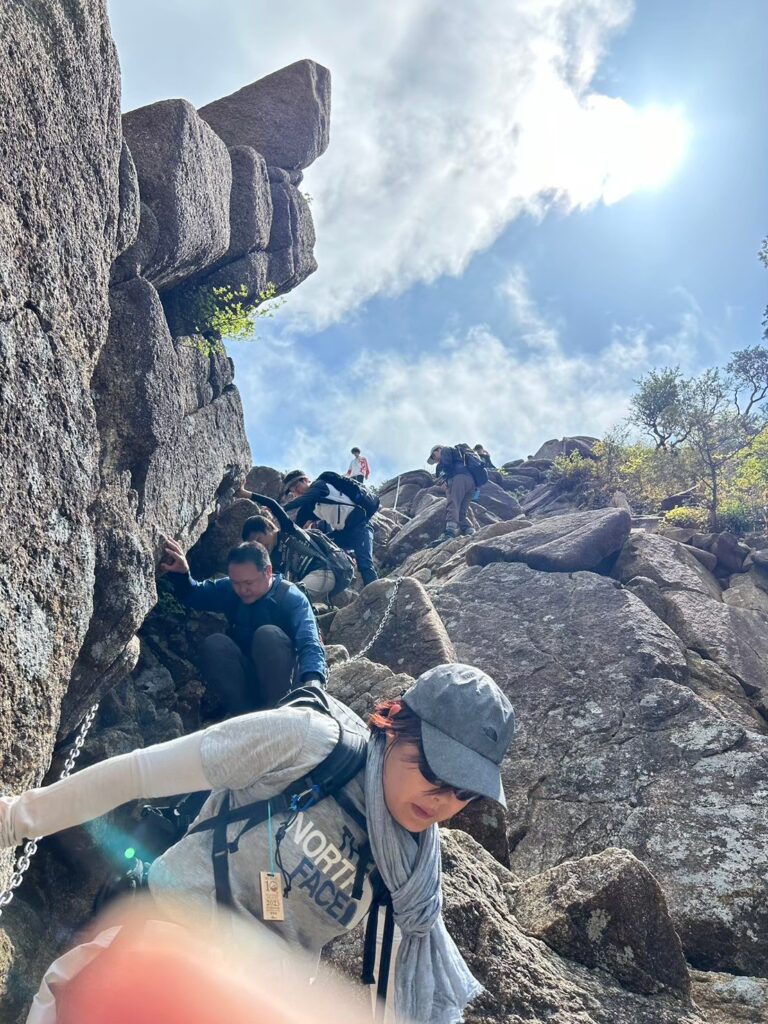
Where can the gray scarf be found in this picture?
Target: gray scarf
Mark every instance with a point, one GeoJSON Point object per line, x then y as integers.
{"type": "Point", "coordinates": [432, 982]}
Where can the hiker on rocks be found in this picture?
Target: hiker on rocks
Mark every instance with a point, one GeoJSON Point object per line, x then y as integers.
{"type": "Point", "coordinates": [484, 455]}
{"type": "Point", "coordinates": [358, 468]}
{"type": "Point", "coordinates": [272, 636]}
{"type": "Point", "coordinates": [459, 487]}
{"type": "Point", "coordinates": [343, 506]}
{"type": "Point", "coordinates": [424, 756]}
{"type": "Point", "coordinates": [312, 561]}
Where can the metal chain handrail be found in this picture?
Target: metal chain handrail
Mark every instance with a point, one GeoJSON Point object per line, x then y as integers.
{"type": "Point", "coordinates": [382, 624]}
{"type": "Point", "coordinates": [30, 847]}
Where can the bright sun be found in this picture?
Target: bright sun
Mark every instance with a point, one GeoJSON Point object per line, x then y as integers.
{"type": "Point", "coordinates": [642, 151]}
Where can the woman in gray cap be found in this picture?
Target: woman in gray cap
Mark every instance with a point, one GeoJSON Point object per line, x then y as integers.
{"type": "Point", "coordinates": [427, 754]}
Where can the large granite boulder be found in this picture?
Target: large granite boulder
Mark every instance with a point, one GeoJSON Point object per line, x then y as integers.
{"type": "Point", "coordinates": [523, 979]}
{"type": "Point", "coordinates": [734, 638]}
{"type": "Point", "coordinates": [667, 562]}
{"type": "Point", "coordinates": [185, 177]}
{"type": "Point", "coordinates": [615, 749]}
{"type": "Point", "coordinates": [567, 543]}
{"type": "Point", "coordinates": [264, 480]}
{"type": "Point", "coordinates": [607, 911]}
{"type": "Point", "coordinates": [138, 256]}
{"type": "Point", "coordinates": [159, 410]}
{"type": "Point", "coordinates": [250, 203]}
{"type": "Point", "coordinates": [438, 563]}
{"type": "Point", "coordinates": [411, 483]}
{"type": "Point", "coordinates": [728, 999]}
{"type": "Point", "coordinates": [130, 203]}
{"type": "Point", "coordinates": [284, 116]}
{"type": "Point", "coordinates": [362, 684]}
{"type": "Point", "coordinates": [550, 450]}
{"type": "Point", "coordinates": [424, 528]}
{"type": "Point", "coordinates": [59, 226]}
{"type": "Point", "coordinates": [290, 256]}
{"type": "Point", "coordinates": [413, 638]}
{"type": "Point", "coordinates": [746, 591]}
{"type": "Point", "coordinates": [495, 499]}
{"type": "Point", "coordinates": [386, 523]}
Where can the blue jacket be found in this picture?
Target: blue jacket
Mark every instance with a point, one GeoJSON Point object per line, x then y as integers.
{"type": "Point", "coordinates": [290, 610]}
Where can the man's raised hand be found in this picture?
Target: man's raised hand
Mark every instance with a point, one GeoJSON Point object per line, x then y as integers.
{"type": "Point", "coordinates": [174, 559]}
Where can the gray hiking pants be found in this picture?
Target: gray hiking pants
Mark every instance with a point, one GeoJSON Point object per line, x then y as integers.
{"type": "Point", "coordinates": [460, 490]}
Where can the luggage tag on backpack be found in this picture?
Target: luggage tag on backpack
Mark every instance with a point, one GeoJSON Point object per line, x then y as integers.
{"type": "Point", "coordinates": [271, 896]}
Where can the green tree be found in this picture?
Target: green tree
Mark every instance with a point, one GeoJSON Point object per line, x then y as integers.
{"type": "Point", "coordinates": [658, 406]}
{"type": "Point", "coordinates": [709, 420]}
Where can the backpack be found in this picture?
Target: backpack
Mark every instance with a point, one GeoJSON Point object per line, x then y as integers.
{"type": "Point", "coordinates": [473, 463]}
{"type": "Point", "coordinates": [326, 779]}
{"type": "Point", "coordinates": [338, 561]}
{"type": "Point", "coordinates": [357, 493]}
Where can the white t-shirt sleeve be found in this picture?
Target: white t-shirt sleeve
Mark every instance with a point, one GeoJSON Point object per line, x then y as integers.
{"type": "Point", "coordinates": [268, 748]}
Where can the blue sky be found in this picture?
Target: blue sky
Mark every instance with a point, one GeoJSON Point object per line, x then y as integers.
{"type": "Point", "coordinates": [480, 278]}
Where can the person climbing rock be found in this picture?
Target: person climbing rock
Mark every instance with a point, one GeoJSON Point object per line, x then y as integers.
{"type": "Point", "coordinates": [343, 505]}
{"type": "Point", "coordinates": [271, 628]}
{"type": "Point", "coordinates": [310, 560]}
{"type": "Point", "coordinates": [485, 456]}
{"type": "Point", "coordinates": [459, 487]}
{"type": "Point", "coordinates": [358, 468]}
{"type": "Point", "coordinates": [422, 759]}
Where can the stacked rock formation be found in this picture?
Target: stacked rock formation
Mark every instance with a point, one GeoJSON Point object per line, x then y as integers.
{"type": "Point", "coordinates": [118, 430]}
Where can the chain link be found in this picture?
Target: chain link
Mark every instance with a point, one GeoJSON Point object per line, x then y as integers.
{"type": "Point", "coordinates": [30, 847]}
{"type": "Point", "coordinates": [382, 624]}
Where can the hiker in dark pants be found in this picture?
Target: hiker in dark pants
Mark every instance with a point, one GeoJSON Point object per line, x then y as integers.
{"type": "Point", "coordinates": [271, 627]}
{"type": "Point", "coordinates": [348, 523]}
{"type": "Point", "coordinates": [459, 488]}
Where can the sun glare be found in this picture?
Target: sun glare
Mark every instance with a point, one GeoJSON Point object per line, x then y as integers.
{"type": "Point", "coordinates": [643, 151]}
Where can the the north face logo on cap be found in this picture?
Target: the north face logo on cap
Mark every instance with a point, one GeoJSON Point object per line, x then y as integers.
{"type": "Point", "coordinates": [491, 733]}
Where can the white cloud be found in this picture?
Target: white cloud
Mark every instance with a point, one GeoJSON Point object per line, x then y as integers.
{"type": "Point", "coordinates": [448, 121]}
{"type": "Point", "coordinates": [511, 393]}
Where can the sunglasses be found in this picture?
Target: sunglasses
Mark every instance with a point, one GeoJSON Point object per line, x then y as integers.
{"type": "Point", "coordinates": [464, 795]}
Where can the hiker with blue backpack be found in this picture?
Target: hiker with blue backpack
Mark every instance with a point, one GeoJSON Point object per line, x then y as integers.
{"type": "Point", "coordinates": [462, 473]}
{"type": "Point", "coordinates": [309, 559]}
{"type": "Point", "coordinates": [272, 639]}
{"type": "Point", "coordinates": [344, 507]}
{"type": "Point", "coordinates": [313, 820]}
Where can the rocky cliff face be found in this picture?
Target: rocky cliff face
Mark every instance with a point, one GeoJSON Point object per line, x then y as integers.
{"type": "Point", "coordinates": [115, 429]}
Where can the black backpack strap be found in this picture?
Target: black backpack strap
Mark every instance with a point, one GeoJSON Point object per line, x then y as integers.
{"type": "Point", "coordinates": [220, 855]}
{"type": "Point", "coordinates": [326, 779]}
{"type": "Point", "coordinates": [381, 898]}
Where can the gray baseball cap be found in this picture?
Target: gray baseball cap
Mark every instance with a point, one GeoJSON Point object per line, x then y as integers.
{"type": "Point", "coordinates": [467, 723]}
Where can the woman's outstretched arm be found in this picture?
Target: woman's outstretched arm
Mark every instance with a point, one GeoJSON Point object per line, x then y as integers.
{"type": "Point", "coordinates": [165, 769]}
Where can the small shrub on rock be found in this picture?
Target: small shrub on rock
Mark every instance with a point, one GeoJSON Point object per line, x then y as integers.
{"type": "Point", "coordinates": [226, 312]}
{"type": "Point", "coordinates": [688, 518]}
{"type": "Point", "coordinates": [737, 517]}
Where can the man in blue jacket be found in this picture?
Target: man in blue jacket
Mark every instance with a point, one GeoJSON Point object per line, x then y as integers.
{"type": "Point", "coordinates": [271, 628]}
